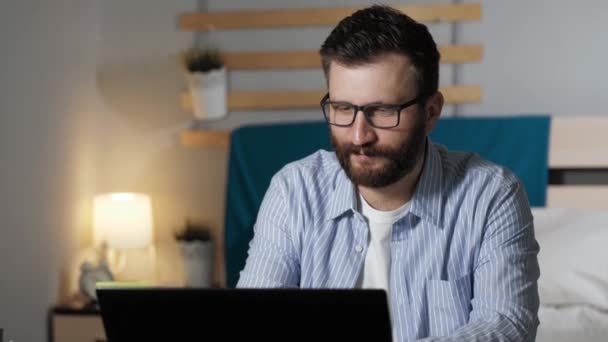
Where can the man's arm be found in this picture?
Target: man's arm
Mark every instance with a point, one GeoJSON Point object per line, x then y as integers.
{"type": "Point", "coordinates": [272, 259]}
{"type": "Point", "coordinates": [505, 303]}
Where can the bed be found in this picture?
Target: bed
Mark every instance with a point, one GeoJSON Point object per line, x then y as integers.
{"type": "Point", "coordinates": [572, 230]}
{"type": "Point", "coordinates": [574, 274]}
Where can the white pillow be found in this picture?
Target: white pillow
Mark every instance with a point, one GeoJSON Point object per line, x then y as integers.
{"type": "Point", "coordinates": [573, 256]}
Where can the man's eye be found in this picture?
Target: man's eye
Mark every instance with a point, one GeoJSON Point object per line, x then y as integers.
{"type": "Point", "coordinates": [382, 111]}
{"type": "Point", "coordinates": [342, 108]}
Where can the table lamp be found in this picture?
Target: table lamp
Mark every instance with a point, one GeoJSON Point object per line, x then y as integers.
{"type": "Point", "coordinates": [121, 221]}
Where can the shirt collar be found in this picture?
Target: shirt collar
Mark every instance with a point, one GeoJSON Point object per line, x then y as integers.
{"type": "Point", "coordinates": [426, 203]}
{"type": "Point", "coordinates": [344, 196]}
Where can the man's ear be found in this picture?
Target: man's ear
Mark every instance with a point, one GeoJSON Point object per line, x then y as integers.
{"type": "Point", "coordinates": [433, 107]}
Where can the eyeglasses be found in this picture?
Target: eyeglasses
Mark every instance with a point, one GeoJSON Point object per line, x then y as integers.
{"type": "Point", "coordinates": [343, 114]}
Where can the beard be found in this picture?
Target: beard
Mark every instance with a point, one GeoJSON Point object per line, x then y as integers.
{"type": "Point", "coordinates": [397, 161]}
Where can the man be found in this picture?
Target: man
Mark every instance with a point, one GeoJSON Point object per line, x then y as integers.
{"type": "Point", "coordinates": [448, 235]}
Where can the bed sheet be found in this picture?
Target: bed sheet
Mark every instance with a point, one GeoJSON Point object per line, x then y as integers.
{"type": "Point", "coordinates": [578, 323]}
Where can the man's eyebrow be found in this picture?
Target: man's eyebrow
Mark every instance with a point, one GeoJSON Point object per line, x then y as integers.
{"type": "Point", "coordinates": [381, 103]}
{"type": "Point", "coordinates": [375, 103]}
{"type": "Point", "coordinates": [338, 101]}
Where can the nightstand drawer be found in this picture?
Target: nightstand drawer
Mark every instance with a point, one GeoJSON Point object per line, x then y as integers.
{"type": "Point", "coordinates": [77, 328]}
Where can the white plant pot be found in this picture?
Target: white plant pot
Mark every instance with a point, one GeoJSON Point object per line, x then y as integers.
{"type": "Point", "coordinates": [208, 92]}
{"type": "Point", "coordinates": [198, 263]}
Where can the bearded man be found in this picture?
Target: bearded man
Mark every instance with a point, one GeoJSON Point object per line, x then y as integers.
{"type": "Point", "coordinates": [448, 236]}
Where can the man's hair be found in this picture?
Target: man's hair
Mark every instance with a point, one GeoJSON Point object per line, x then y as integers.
{"type": "Point", "coordinates": [371, 32]}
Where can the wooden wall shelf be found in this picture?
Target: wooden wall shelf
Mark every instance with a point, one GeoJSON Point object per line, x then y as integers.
{"type": "Point", "coordinates": [260, 60]}
{"type": "Point", "coordinates": [217, 139]}
{"type": "Point", "coordinates": [307, 17]}
{"type": "Point", "coordinates": [292, 99]}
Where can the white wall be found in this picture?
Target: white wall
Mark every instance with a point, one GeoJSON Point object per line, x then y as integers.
{"type": "Point", "coordinates": [139, 80]}
{"type": "Point", "coordinates": [542, 56]}
{"type": "Point", "coordinates": [89, 102]}
{"type": "Point", "coordinates": [47, 152]}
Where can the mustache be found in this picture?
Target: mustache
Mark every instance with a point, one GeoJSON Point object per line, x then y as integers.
{"type": "Point", "coordinates": [368, 150]}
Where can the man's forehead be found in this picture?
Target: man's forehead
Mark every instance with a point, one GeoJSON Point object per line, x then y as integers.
{"type": "Point", "coordinates": [393, 67]}
{"type": "Point", "coordinates": [383, 58]}
{"type": "Point", "coordinates": [384, 80]}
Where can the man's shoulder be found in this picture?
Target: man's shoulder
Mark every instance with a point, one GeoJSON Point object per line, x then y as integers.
{"type": "Point", "coordinates": [318, 165]}
{"type": "Point", "coordinates": [472, 169]}
{"type": "Point", "coordinates": [473, 188]}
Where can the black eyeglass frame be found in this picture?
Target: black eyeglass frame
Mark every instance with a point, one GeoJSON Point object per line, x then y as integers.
{"type": "Point", "coordinates": [364, 110]}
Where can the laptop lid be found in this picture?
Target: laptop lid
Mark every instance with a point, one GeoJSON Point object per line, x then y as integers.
{"type": "Point", "coordinates": [188, 314]}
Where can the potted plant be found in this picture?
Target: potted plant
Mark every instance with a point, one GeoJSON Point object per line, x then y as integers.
{"type": "Point", "coordinates": [197, 252]}
{"type": "Point", "coordinates": [207, 81]}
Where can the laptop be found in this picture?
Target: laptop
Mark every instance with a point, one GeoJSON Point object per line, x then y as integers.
{"type": "Point", "coordinates": [191, 314]}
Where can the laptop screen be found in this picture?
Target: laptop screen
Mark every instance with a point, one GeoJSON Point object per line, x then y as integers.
{"type": "Point", "coordinates": [188, 314]}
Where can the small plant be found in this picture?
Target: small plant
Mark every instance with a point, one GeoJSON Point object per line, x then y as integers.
{"type": "Point", "coordinates": [193, 232]}
{"type": "Point", "coordinates": [202, 60]}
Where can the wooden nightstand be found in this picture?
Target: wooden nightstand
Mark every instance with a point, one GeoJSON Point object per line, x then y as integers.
{"type": "Point", "coordinates": [67, 324]}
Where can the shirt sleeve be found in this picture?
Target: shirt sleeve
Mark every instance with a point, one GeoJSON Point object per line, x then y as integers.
{"type": "Point", "coordinates": [272, 258]}
{"type": "Point", "coordinates": [505, 303]}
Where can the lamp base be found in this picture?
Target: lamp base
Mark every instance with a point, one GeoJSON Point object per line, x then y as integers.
{"type": "Point", "coordinates": [131, 265]}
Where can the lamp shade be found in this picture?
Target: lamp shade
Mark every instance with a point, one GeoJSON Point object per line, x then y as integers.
{"type": "Point", "coordinates": [122, 220]}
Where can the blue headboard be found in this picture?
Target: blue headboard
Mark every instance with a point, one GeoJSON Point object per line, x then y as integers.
{"type": "Point", "coordinates": [258, 152]}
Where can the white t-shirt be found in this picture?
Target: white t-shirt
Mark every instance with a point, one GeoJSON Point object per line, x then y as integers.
{"type": "Point", "coordinates": [376, 269]}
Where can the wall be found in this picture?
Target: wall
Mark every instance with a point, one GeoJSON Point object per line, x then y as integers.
{"type": "Point", "coordinates": [48, 154]}
{"type": "Point", "coordinates": [139, 81]}
{"type": "Point", "coordinates": [541, 56]}
{"type": "Point", "coordinates": [89, 103]}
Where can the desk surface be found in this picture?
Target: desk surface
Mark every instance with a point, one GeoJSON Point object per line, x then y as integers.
{"type": "Point", "coordinates": [73, 324]}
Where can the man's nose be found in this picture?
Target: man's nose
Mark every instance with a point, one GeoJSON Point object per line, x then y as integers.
{"type": "Point", "coordinates": [362, 132]}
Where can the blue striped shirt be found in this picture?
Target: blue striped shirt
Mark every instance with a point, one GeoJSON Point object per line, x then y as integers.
{"type": "Point", "coordinates": [463, 260]}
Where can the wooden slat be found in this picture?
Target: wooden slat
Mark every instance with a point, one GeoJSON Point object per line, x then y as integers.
{"type": "Point", "coordinates": [461, 53]}
{"type": "Point", "coordinates": [272, 60]}
{"type": "Point", "coordinates": [306, 17]}
{"type": "Point", "coordinates": [578, 196]}
{"type": "Point", "coordinates": [257, 60]}
{"type": "Point", "coordinates": [578, 143]}
{"type": "Point", "coordinates": [218, 139]}
{"type": "Point", "coordinates": [257, 100]}
{"type": "Point", "coordinates": [243, 100]}
{"type": "Point", "coordinates": [462, 94]}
